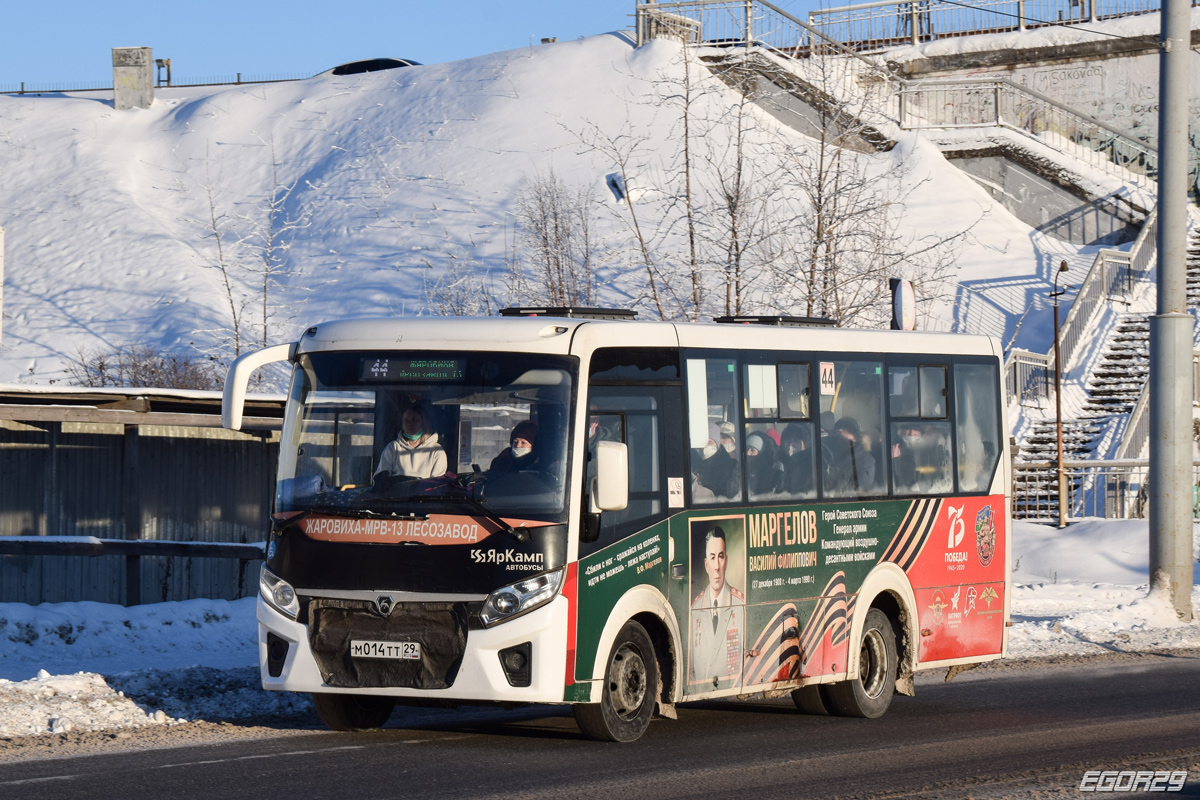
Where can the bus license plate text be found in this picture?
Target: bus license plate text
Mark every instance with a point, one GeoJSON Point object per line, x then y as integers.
{"type": "Point", "coordinates": [404, 651]}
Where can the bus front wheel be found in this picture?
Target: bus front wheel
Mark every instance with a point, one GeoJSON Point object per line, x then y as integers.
{"type": "Point", "coordinates": [627, 697]}
{"type": "Point", "coordinates": [870, 694]}
{"type": "Point", "coordinates": [353, 712]}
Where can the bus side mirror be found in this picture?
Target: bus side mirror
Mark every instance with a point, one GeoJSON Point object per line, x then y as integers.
{"type": "Point", "coordinates": [237, 380]}
{"type": "Point", "coordinates": [610, 492]}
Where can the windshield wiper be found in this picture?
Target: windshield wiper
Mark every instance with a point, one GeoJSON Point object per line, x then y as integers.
{"type": "Point", "coordinates": [520, 534]}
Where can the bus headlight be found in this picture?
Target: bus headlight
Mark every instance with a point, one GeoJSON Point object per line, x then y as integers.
{"type": "Point", "coordinates": [517, 598]}
{"type": "Point", "coordinates": [278, 592]}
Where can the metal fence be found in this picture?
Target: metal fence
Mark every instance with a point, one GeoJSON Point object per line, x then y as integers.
{"type": "Point", "coordinates": [1116, 489]}
{"type": "Point", "coordinates": [1113, 275]}
{"type": "Point", "coordinates": [95, 499]}
{"type": "Point", "coordinates": [736, 23]}
{"type": "Point", "coordinates": [60, 87]}
{"type": "Point", "coordinates": [874, 26]}
{"type": "Point", "coordinates": [989, 103]}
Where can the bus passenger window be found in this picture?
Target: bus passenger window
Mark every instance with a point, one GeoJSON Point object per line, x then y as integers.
{"type": "Point", "coordinates": [902, 391]}
{"type": "Point", "coordinates": [715, 449]}
{"type": "Point", "coordinates": [762, 390]}
{"type": "Point", "coordinates": [852, 444]}
{"type": "Point", "coordinates": [795, 392]}
{"type": "Point", "coordinates": [921, 457]}
{"type": "Point", "coordinates": [933, 392]}
{"type": "Point", "coordinates": [977, 419]}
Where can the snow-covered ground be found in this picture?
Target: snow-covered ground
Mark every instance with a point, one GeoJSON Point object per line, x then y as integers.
{"type": "Point", "coordinates": [89, 666]}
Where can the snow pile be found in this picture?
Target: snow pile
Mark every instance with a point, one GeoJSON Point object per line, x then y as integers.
{"type": "Point", "coordinates": [66, 703]}
{"type": "Point", "coordinates": [64, 637]}
{"type": "Point", "coordinates": [1085, 590]}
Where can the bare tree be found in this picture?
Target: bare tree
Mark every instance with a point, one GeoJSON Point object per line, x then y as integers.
{"type": "Point", "coordinates": [554, 241]}
{"type": "Point", "coordinates": [834, 254]}
{"type": "Point", "coordinates": [269, 233]}
{"type": "Point", "coordinates": [139, 365]}
{"type": "Point", "coordinates": [223, 257]}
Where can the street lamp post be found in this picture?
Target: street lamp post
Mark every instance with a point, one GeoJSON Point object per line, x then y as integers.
{"type": "Point", "coordinates": [1061, 471]}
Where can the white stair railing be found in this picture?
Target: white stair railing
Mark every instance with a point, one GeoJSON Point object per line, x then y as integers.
{"type": "Point", "coordinates": [1002, 103]}
{"type": "Point", "coordinates": [876, 26]}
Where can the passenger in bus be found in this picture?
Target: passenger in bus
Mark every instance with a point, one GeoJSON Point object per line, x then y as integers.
{"type": "Point", "coordinates": [415, 452]}
{"type": "Point", "coordinates": [714, 469]}
{"type": "Point", "coordinates": [920, 458]}
{"type": "Point", "coordinates": [764, 474]}
{"type": "Point", "coordinates": [796, 458]}
{"type": "Point", "coordinates": [522, 452]}
{"type": "Point", "coordinates": [729, 439]}
{"type": "Point", "coordinates": [850, 467]}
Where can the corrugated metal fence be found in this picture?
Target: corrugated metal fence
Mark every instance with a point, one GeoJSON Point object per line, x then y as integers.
{"type": "Point", "coordinates": [182, 483]}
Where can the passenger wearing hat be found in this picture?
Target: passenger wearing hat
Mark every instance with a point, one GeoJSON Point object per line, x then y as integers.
{"type": "Point", "coordinates": [764, 475]}
{"type": "Point", "coordinates": [729, 438]}
{"type": "Point", "coordinates": [796, 457]}
{"type": "Point", "coordinates": [714, 469]}
{"type": "Point", "coordinates": [522, 452]}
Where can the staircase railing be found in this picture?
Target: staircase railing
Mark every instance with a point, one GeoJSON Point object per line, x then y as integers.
{"type": "Point", "coordinates": [1002, 103]}
{"type": "Point", "coordinates": [733, 23]}
{"type": "Point", "coordinates": [1137, 430]}
{"type": "Point", "coordinates": [1113, 274]}
{"type": "Point", "coordinates": [874, 26]}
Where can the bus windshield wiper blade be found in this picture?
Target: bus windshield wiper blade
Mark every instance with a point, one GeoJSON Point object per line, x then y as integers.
{"type": "Point", "coordinates": [520, 534]}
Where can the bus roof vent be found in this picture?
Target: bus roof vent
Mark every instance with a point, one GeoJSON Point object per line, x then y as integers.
{"type": "Point", "coordinates": [574, 313]}
{"type": "Point", "coordinates": [791, 322]}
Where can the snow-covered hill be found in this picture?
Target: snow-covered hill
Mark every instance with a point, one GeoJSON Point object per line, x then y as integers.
{"type": "Point", "coordinates": [384, 189]}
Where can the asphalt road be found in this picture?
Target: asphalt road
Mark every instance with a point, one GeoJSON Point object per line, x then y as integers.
{"type": "Point", "coordinates": [991, 733]}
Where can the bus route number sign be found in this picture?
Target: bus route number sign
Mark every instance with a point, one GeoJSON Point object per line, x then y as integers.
{"type": "Point", "coordinates": [828, 386]}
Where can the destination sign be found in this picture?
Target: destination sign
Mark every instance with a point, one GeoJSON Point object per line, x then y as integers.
{"type": "Point", "coordinates": [413, 370]}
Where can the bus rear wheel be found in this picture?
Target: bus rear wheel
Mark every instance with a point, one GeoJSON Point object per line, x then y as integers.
{"type": "Point", "coordinates": [870, 694]}
{"type": "Point", "coordinates": [627, 698]}
{"type": "Point", "coordinates": [353, 712]}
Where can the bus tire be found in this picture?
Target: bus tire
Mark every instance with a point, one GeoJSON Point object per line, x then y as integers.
{"type": "Point", "coordinates": [353, 712]}
{"type": "Point", "coordinates": [628, 695]}
{"type": "Point", "coordinates": [870, 694]}
{"type": "Point", "coordinates": [810, 700]}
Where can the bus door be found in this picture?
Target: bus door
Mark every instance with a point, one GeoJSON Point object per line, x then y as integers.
{"type": "Point", "coordinates": [708, 565]}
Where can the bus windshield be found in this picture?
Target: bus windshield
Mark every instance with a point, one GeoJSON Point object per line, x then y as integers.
{"type": "Point", "coordinates": [419, 432]}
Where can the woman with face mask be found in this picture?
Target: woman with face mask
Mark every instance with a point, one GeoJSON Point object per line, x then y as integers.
{"type": "Point", "coordinates": [522, 450]}
{"type": "Point", "coordinates": [415, 452]}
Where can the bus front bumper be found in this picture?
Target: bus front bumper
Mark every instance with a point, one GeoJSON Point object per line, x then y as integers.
{"type": "Point", "coordinates": [481, 678]}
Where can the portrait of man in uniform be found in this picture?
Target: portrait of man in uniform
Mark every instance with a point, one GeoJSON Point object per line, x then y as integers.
{"type": "Point", "coordinates": [718, 613]}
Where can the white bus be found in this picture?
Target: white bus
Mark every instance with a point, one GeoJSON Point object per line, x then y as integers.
{"type": "Point", "coordinates": [570, 506]}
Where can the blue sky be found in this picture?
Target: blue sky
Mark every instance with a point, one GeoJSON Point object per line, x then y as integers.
{"type": "Point", "coordinates": [71, 40]}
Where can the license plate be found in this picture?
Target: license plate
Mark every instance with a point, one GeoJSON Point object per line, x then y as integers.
{"type": "Point", "coordinates": [404, 651]}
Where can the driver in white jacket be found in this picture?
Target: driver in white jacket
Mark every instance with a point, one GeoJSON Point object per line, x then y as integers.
{"type": "Point", "coordinates": [415, 452]}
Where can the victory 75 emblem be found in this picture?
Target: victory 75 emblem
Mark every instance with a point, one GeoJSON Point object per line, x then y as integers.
{"type": "Point", "coordinates": [957, 528]}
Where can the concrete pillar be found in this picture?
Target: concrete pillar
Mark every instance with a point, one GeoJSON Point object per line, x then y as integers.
{"type": "Point", "coordinates": [133, 77]}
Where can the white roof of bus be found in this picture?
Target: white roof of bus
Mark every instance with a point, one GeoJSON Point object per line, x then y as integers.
{"type": "Point", "coordinates": [572, 335]}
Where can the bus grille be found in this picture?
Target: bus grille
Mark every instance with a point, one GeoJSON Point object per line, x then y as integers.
{"type": "Point", "coordinates": [440, 629]}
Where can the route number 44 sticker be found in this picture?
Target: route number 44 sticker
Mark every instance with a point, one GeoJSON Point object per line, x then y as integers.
{"type": "Point", "coordinates": [828, 386]}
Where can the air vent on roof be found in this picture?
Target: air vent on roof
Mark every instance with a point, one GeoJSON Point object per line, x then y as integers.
{"type": "Point", "coordinates": [791, 322]}
{"type": "Point", "coordinates": [574, 313]}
